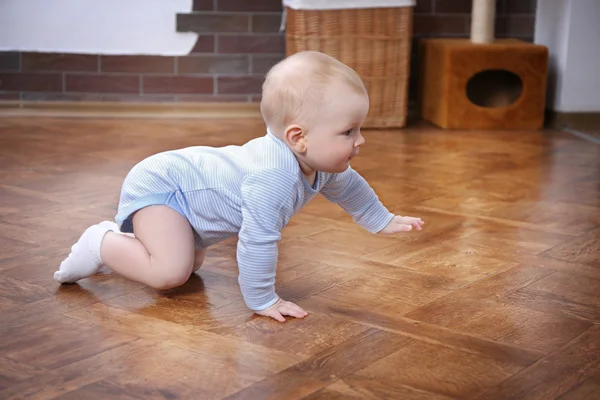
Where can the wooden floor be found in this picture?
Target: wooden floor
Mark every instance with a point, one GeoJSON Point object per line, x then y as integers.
{"type": "Point", "coordinates": [497, 298]}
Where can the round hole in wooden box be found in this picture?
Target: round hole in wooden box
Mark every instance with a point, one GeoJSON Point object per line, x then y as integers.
{"type": "Point", "coordinates": [494, 88]}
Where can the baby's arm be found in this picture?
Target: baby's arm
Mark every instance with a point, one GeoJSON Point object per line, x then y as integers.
{"type": "Point", "coordinates": [352, 192]}
{"type": "Point", "coordinates": [266, 207]}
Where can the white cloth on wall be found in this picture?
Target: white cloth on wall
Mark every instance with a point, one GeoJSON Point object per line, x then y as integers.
{"type": "Point", "coordinates": [344, 4]}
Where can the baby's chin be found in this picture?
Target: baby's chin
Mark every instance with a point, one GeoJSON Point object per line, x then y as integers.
{"type": "Point", "coordinates": [339, 169]}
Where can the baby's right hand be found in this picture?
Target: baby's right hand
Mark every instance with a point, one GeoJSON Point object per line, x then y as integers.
{"type": "Point", "coordinates": [281, 308]}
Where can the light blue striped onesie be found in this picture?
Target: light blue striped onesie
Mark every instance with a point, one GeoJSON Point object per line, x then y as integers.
{"type": "Point", "coordinates": [251, 191]}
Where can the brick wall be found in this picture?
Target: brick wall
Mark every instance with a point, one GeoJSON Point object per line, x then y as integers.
{"type": "Point", "coordinates": [238, 42]}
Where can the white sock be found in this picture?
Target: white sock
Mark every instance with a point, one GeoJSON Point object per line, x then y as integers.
{"type": "Point", "coordinates": [84, 259]}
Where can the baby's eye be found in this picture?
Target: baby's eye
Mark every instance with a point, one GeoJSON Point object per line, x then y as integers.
{"type": "Point", "coordinates": [348, 132]}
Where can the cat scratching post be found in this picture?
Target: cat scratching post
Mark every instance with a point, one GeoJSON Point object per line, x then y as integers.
{"type": "Point", "coordinates": [482, 82]}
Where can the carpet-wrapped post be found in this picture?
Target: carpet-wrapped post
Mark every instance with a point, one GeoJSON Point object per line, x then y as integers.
{"type": "Point", "coordinates": [483, 18]}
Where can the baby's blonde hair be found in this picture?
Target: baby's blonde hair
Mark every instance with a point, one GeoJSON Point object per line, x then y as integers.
{"type": "Point", "coordinates": [295, 88]}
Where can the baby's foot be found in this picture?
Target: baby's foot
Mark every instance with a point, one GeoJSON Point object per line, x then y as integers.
{"type": "Point", "coordinates": [84, 259]}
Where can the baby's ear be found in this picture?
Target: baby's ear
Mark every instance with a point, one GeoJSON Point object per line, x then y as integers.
{"type": "Point", "coordinates": [296, 138]}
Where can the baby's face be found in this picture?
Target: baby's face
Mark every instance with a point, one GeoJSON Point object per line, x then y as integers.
{"type": "Point", "coordinates": [334, 136]}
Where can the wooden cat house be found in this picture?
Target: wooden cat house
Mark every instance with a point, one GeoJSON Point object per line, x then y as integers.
{"type": "Point", "coordinates": [482, 82]}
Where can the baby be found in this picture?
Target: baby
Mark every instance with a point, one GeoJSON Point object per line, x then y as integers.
{"type": "Point", "coordinates": [175, 204]}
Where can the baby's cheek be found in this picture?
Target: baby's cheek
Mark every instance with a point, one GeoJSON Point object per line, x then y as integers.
{"type": "Point", "coordinates": [342, 158]}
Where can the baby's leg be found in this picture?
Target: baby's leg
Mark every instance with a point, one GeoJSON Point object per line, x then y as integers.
{"type": "Point", "coordinates": [161, 255]}
{"type": "Point", "coordinates": [198, 257]}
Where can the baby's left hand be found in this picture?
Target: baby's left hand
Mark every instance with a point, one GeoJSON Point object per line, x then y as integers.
{"type": "Point", "coordinates": [402, 224]}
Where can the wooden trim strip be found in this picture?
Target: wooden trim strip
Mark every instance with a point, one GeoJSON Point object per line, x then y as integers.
{"type": "Point", "coordinates": [120, 109]}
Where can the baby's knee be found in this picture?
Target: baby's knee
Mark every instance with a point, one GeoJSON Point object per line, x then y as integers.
{"type": "Point", "coordinates": [171, 276]}
{"type": "Point", "coordinates": [169, 281]}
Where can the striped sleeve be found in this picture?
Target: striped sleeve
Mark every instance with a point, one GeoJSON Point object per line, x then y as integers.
{"type": "Point", "coordinates": [267, 204]}
{"type": "Point", "coordinates": [352, 192]}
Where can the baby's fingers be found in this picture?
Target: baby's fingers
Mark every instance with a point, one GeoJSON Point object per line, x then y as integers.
{"type": "Point", "coordinates": [404, 227]}
{"type": "Point", "coordinates": [291, 309]}
{"type": "Point", "coordinates": [418, 225]}
{"type": "Point", "coordinates": [273, 313]}
{"type": "Point", "coordinates": [413, 222]}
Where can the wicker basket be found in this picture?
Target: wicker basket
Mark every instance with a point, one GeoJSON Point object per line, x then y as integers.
{"type": "Point", "coordinates": [375, 42]}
